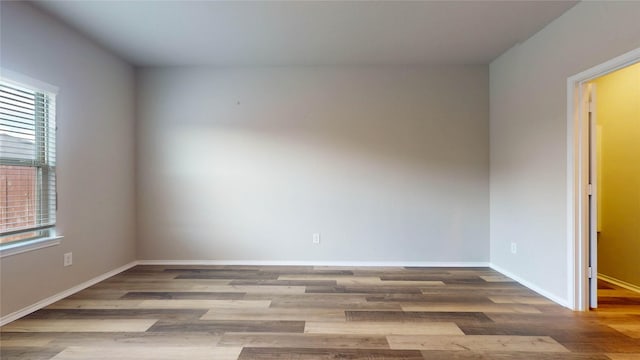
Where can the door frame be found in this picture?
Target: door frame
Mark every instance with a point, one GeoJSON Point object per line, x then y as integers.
{"type": "Point", "coordinates": [578, 156]}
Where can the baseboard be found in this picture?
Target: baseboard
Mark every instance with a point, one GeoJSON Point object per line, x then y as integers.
{"type": "Point", "coordinates": [315, 263]}
{"type": "Point", "coordinates": [622, 284]}
{"type": "Point", "coordinates": [61, 295]}
{"type": "Point", "coordinates": [548, 295]}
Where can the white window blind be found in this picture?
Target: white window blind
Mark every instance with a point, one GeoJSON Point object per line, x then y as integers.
{"type": "Point", "coordinates": [27, 162]}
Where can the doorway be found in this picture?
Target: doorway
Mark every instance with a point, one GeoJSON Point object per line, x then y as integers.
{"type": "Point", "coordinates": [582, 180]}
{"type": "Point", "coordinates": [614, 117]}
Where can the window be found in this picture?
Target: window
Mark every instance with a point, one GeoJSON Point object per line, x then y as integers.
{"type": "Point", "coordinates": [27, 164]}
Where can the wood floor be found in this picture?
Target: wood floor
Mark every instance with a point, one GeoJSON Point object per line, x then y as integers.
{"type": "Point", "coordinates": [249, 312]}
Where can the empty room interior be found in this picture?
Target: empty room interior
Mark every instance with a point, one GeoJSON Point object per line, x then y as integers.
{"type": "Point", "coordinates": [319, 180]}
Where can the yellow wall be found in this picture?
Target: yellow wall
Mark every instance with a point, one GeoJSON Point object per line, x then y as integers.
{"type": "Point", "coordinates": [617, 100]}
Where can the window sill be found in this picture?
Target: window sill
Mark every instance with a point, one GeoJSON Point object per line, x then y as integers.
{"type": "Point", "coordinates": [35, 244]}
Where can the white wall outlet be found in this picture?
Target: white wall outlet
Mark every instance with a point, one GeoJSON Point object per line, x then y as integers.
{"type": "Point", "coordinates": [68, 259]}
{"type": "Point", "coordinates": [514, 248]}
{"type": "Point", "coordinates": [316, 238]}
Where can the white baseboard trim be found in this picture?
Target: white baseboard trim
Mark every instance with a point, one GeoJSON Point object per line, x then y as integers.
{"type": "Point", "coordinates": [315, 263]}
{"type": "Point", "coordinates": [548, 295]}
{"type": "Point", "coordinates": [61, 295]}
{"type": "Point", "coordinates": [622, 284]}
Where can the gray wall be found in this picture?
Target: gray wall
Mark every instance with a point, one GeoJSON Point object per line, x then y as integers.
{"type": "Point", "coordinates": [387, 163]}
{"type": "Point", "coordinates": [529, 135]}
{"type": "Point", "coordinates": [96, 180]}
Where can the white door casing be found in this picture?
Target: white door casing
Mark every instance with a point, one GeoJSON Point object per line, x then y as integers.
{"type": "Point", "coordinates": [593, 198]}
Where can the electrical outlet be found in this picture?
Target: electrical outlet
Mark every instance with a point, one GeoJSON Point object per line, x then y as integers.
{"type": "Point", "coordinates": [514, 248]}
{"type": "Point", "coordinates": [68, 259]}
{"type": "Point", "coordinates": [316, 238]}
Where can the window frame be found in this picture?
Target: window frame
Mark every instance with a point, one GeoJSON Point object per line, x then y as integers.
{"type": "Point", "coordinates": [43, 235]}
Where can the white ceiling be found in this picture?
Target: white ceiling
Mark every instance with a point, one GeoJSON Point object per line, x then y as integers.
{"type": "Point", "coordinates": [307, 32]}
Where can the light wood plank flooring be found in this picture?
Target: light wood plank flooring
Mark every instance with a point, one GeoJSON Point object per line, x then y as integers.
{"type": "Point", "coordinates": [279, 312]}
